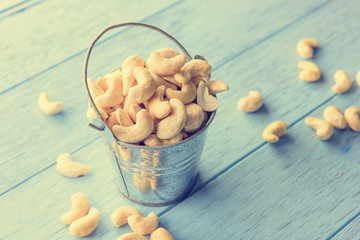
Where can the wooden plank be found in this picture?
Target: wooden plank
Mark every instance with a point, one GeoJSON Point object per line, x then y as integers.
{"type": "Point", "coordinates": [298, 188]}
{"type": "Point", "coordinates": [72, 27]}
{"type": "Point", "coordinates": [348, 232]}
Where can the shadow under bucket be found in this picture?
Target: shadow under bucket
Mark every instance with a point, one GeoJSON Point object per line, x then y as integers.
{"type": "Point", "coordinates": [152, 176]}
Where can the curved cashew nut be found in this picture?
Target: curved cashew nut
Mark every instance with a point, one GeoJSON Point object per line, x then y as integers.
{"type": "Point", "coordinates": [324, 130]}
{"type": "Point", "coordinates": [79, 207]}
{"type": "Point", "coordinates": [305, 47]}
{"type": "Point", "coordinates": [113, 95]}
{"type": "Point", "coordinates": [187, 94]}
{"type": "Point", "coordinates": [95, 89]}
{"type": "Point", "coordinates": [333, 115]}
{"type": "Point", "coordinates": [157, 106]}
{"type": "Point", "coordinates": [178, 138]}
{"type": "Point", "coordinates": [161, 234]}
{"type": "Point", "coordinates": [65, 166]}
{"type": "Point", "coordinates": [141, 182]}
{"type": "Point", "coordinates": [101, 82]}
{"type": "Point", "coordinates": [112, 120]}
{"type": "Point", "coordinates": [357, 78]}
{"type": "Point", "coordinates": [48, 107]}
{"type": "Point", "coordinates": [343, 82]}
{"type": "Point", "coordinates": [91, 114]}
{"type": "Point", "coordinates": [123, 118]}
{"type": "Point", "coordinates": [138, 132]}
{"type": "Point", "coordinates": [133, 110]}
{"type": "Point", "coordinates": [165, 65]}
{"type": "Point", "coordinates": [310, 71]}
{"type": "Point", "coordinates": [85, 225]}
{"type": "Point", "coordinates": [127, 68]}
{"type": "Point", "coordinates": [351, 116]}
{"type": "Point", "coordinates": [159, 81]}
{"type": "Point", "coordinates": [208, 102]}
{"type": "Point", "coordinates": [216, 86]}
{"type": "Point", "coordinates": [132, 236]}
{"type": "Point", "coordinates": [250, 103]}
{"type": "Point", "coordinates": [274, 130]}
{"type": "Point", "coordinates": [143, 225]}
{"type": "Point", "coordinates": [193, 68]}
{"type": "Point", "coordinates": [172, 80]}
{"type": "Point", "coordinates": [195, 117]}
{"type": "Point", "coordinates": [153, 140]}
{"type": "Point", "coordinates": [120, 216]}
{"type": "Point", "coordinates": [171, 125]}
{"type": "Point", "coordinates": [145, 88]}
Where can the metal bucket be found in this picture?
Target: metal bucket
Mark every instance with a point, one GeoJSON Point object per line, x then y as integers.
{"type": "Point", "coordinates": [152, 176]}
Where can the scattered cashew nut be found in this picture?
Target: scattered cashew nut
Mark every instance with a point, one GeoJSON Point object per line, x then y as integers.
{"type": "Point", "coordinates": [132, 236]}
{"type": "Point", "coordinates": [208, 102]}
{"type": "Point", "coordinates": [274, 130]}
{"type": "Point", "coordinates": [250, 103]}
{"type": "Point", "coordinates": [305, 47]}
{"type": "Point", "coordinates": [161, 234]}
{"type": "Point", "coordinates": [65, 166]}
{"type": "Point", "coordinates": [351, 116]}
{"type": "Point", "coordinates": [357, 78]}
{"type": "Point", "coordinates": [195, 117]}
{"type": "Point", "coordinates": [145, 88]}
{"type": "Point", "coordinates": [120, 216]}
{"type": "Point", "coordinates": [187, 94]}
{"type": "Point", "coordinates": [333, 115]}
{"type": "Point", "coordinates": [138, 132]}
{"type": "Point", "coordinates": [343, 82]}
{"type": "Point", "coordinates": [79, 207]}
{"type": "Point", "coordinates": [157, 106]}
{"type": "Point", "coordinates": [216, 86]}
{"type": "Point", "coordinates": [48, 107]}
{"type": "Point", "coordinates": [143, 225]}
{"type": "Point", "coordinates": [164, 65]}
{"type": "Point", "coordinates": [324, 130]}
{"type": "Point", "coordinates": [310, 71]}
{"type": "Point", "coordinates": [85, 225]}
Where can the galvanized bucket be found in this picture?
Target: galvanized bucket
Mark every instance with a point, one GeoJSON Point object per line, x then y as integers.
{"type": "Point", "coordinates": [152, 176]}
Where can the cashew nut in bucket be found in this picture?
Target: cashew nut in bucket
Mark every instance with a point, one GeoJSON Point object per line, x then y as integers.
{"type": "Point", "coordinates": [138, 132]}
{"type": "Point", "coordinates": [84, 226]}
{"type": "Point", "coordinates": [274, 130]}
{"type": "Point", "coordinates": [120, 216]}
{"type": "Point", "coordinates": [333, 115]}
{"type": "Point", "coordinates": [157, 106]}
{"type": "Point", "coordinates": [123, 118]}
{"type": "Point", "coordinates": [95, 89]}
{"type": "Point", "coordinates": [324, 130]}
{"type": "Point", "coordinates": [127, 72]}
{"type": "Point", "coordinates": [164, 65]}
{"type": "Point", "coordinates": [132, 236]}
{"type": "Point", "coordinates": [193, 68]}
{"type": "Point", "coordinates": [172, 125]}
{"type": "Point", "coordinates": [216, 86]}
{"type": "Point", "coordinates": [145, 88]}
{"type": "Point", "coordinates": [250, 103]}
{"type": "Point", "coordinates": [48, 107]}
{"type": "Point", "coordinates": [113, 95]}
{"type": "Point", "coordinates": [208, 102]}
{"type": "Point", "coordinates": [65, 166]}
{"type": "Point", "coordinates": [161, 234]}
{"type": "Point", "coordinates": [310, 71]}
{"type": "Point", "coordinates": [305, 47]}
{"type": "Point", "coordinates": [195, 117]}
{"type": "Point", "coordinates": [343, 82]}
{"type": "Point", "coordinates": [351, 116]}
{"type": "Point", "coordinates": [143, 225]}
{"type": "Point", "coordinates": [186, 95]}
{"type": "Point", "coordinates": [79, 207]}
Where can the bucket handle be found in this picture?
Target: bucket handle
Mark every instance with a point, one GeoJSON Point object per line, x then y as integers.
{"type": "Point", "coordinates": [102, 126]}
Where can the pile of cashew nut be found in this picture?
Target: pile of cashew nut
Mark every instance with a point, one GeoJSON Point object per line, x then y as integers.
{"type": "Point", "coordinates": [155, 101]}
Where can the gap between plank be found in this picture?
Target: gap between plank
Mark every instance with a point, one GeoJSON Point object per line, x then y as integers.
{"type": "Point", "coordinates": [343, 226]}
{"type": "Point", "coordinates": [14, 6]}
{"type": "Point", "coordinates": [19, 10]}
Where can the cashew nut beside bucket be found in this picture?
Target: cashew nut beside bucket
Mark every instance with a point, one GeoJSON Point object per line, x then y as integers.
{"type": "Point", "coordinates": [305, 47]}
{"type": "Point", "coordinates": [274, 130]}
{"type": "Point", "coordinates": [79, 207]}
{"type": "Point", "coordinates": [48, 107]}
{"type": "Point", "coordinates": [84, 226]}
{"type": "Point", "coordinates": [65, 166]}
{"type": "Point", "coordinates": [323, 129]}
{"type": "Point", "coordinates": [143, 225]}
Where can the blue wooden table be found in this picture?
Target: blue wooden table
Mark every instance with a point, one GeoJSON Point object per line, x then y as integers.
{"type": "Point", "coordinates": [298, 188]}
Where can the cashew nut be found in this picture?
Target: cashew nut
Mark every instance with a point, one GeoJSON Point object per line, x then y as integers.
{"type": "Point", "coordinates": [143, 225]}
{"type": "Point", "coordinates": [113, 95]}
{"type": "Point", "coordinates": [216, 86]}
{"type": "Point", "coordinates": [195, 117]}
{"type": "Point", "coordinates": [324, 130]}
{"type": "Point", "coordinates": [208, 102]}
{"type": "Point", "coordinates": [161, 234]}
{"type": "Point", "coordinates": [127, 68]}
{"type": "Point", "coordinates": [145, 88]}
{"type": "Point", "coordinates": [120, 216]}
{"type": "Point", "coordinates": [172, 80]}
{"type": "Point", "coordinates": [163, 64]}
{"type": "Point", "coordinates": [141, 182]}
{"type": "Point", "coordinates": [310, 71]}
{"type": "Point", "coordinates": [132, 236]}
{"type": "Point", "coordinates": [187, 94]}
{"type": "Point", "coordinates": [305, 47]}
{"type": "Point", "coordinates": [171, 125]}
{"type": "Point", "coordinates": [351, 116]}
{"type": "Point", "coordinates": [48, 107]}
{"type": "Point", "coordinates": [357, 78]}
{"type": "Point", "coordinates": [112, 120]}
{"type": "Point", "coordinates": [101, 82]}
{"type": "Point", "coordinates": [133, 110]}
{"type": "Point", "coordinates": [153, 140]}
{"type": "Point", "coordinates": [91, 114]}
{"type": "Point", "coordinates": [157, 106]}
{"type": "Point", "coordinates": [138, 132]}
{"type": "Point", "coordinates": [95, 89]}
{"type": "Point", "coordinates": [333, 115]}
{"type": "Point", "coordinates": [65, 166]}
{"type": "Point", "coordinates": [193, 68]}
{"type": "Point", "coordinates": [159, 81]}
{"type": "Point", "coordinates": [173, 140]}
{"type": "Point", "coordinates": [123, 118]}
{"type": "Point", "coordinates": [79, 207]}
{"type": "Point", "coordinates": [85, 225]}
{"type": "Point", "coordinates": [343, 82]}
{"type": "Point", "coordinates": [273, 131]}
{"type": "Point", "coordinates": [250, 103]}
